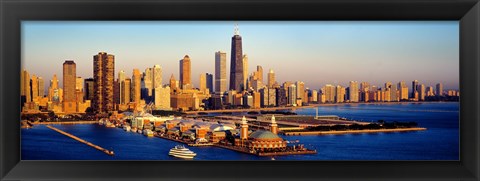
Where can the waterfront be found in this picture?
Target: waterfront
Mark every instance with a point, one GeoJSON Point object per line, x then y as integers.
{"type": "Point", "coordinates": [439, 142]}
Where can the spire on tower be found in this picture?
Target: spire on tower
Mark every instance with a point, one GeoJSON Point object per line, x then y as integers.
{"type": "Point", "coordinates": [244, 120]}
{"type": "Point", "coordinates": [236, 30]}
{"type": "Point", "coordinates": [273, 119]}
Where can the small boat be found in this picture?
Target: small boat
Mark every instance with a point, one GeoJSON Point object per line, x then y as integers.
{"type": "Point", "coordinates": [140, 131]}
{"type": "Point", "coordinates": [148, 133]}
{"type": "Point", "coordinates": [127, 128]}
{"type": "Point", "coordinates": [180, 151]}
{"type": "Point", "coordinates": [134, 129]}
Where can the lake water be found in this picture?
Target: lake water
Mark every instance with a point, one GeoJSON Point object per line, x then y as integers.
{"type": "Point", "coordinates": [439, 142]}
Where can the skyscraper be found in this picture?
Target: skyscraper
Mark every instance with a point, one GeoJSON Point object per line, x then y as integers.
{"type": "Point", "coordinates": [260, 73]}
{"type": "Point", "coordinates": [236, 62]}
{"type": "Point", "coordinates": [157, 76]}
{"type": "Point", "coordinates": [69, 85]}
{"type": "Point", "coordinates": [185, 73]}
{"type": "Point", "coordinates": [103, 75]}
{"type": "Point", "coordinates": [421, 92]}
{"type": "Point", "coordinates": [136, 86]}
{"type": "Point", "coordinates": [339, 94]}
{"type": "Point", "coordinates": [41, 87]}
{"type": "Point", "coordinates": [292, 95]}
{"type": "Point", "coordinates": [301, 90]}
{"type": "Point", "coordinates": [220, 72]}
{"type": "Point", "coordinates": [89, 91]}
{"type": "Point", "coordinates": [34, 86]}
{"type": "Point", "coordinates": [26, 90]}
{"type": "Point", "coordinates": [203, 83]}
{"type": "Point", "coordinates": [414, 88]}
{"type": "Point", "coordinates": [209, 82]}
{"type": "Point", "coordinates": [271, 78]}
{"type": "Point", "coordinates": [126, 89]}
{"type": "Point", "coordinates": [403, 88]}
{"type": "Point", "coordinates": [53, 90]}
{"type": "Point", "coordinates": [330, 93]}
{"type": "Point", "coordinates": [353, 91]}
{"type": "Point", "coordinates": [148, 81]}
{"type": "Point", "coordinates": [439, 89]}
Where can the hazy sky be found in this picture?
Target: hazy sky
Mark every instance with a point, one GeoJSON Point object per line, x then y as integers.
{"type": "Point", "coordinates": [316, 52]}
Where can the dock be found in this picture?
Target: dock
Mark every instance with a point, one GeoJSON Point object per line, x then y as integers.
{"type": "Point", "coordinates": [243, 150]}
{"type": "Point", "coordinates": [108, 152]}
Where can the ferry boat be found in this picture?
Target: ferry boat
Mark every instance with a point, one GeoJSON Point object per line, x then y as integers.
{"type": "Point", "coordinates": [148, 133]}
{"type": "Point", "coordinates": [181, 152]}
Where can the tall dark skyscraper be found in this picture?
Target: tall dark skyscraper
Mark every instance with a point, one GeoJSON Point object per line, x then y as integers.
{"type": "Point", "coordinates": [236, 64]}
{"type": "Point", "coordinates": [69, 75]}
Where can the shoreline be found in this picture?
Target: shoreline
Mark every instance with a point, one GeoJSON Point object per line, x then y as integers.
{"type": "Point", "coordinates": [310, 106]}
{"type": "Point", "coordinates": [303, 133]}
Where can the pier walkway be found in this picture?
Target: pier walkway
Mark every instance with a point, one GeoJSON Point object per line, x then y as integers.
{"type": "Point", "coordinates": [108, 152]}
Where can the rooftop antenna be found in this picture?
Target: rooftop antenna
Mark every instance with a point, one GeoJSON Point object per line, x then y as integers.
{"type": "Point", "coordinates": [236, 31]}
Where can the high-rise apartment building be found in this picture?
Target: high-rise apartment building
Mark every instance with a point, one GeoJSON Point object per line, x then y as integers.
{"type": "Point", "coordinates": [69, 86]}
{"type": "Point", "coordinates": [353, 91]}
{"type": "Point", "coordinates": [236, 62]}
{"type": "Point", "coordinates": [439, 89]}
{"type": "Point", "coordinates": [330, 93]}
{"type": "Point", "coordinates": [300, 91]}
{"type": "Point", "coordinates": [421, 92]}
{"type": "Point", "coordinates": [292, 95]}
{"type": "Point", "coordinates": [220, 72]}
{"type": "Point", "coordinates": [403, 90]}
{"type": "Point", "coordinates": [339, 94]}
{"type": "Point", "coordinates": [103, 75]}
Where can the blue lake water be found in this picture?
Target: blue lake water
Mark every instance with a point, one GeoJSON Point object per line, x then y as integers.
{"type": "Point", "coordinates": [439, 142]}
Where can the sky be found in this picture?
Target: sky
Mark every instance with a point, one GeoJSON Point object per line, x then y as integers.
{"type": "Point", "coordinates": [315, 52]}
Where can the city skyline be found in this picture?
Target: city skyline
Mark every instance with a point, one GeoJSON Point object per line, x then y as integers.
{"type": "Point", "coordinates": [444, 67]}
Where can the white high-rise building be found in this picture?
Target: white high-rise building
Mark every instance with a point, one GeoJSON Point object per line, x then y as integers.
{"type": "Point", "coordinates": [157, 76]}
{"type": "Point", "coordinates": [220, 72]}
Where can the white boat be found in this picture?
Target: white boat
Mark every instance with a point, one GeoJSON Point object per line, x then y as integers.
{"type": "Point", "coordinates": [181, 152]}
{"type": "Point", "coordinates": [140, 131]}
{"type": "Point", "coordinates": [148, 133]}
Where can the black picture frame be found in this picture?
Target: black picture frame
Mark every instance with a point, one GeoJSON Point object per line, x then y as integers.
{"type": "Point", "coordinates": [12, 12]}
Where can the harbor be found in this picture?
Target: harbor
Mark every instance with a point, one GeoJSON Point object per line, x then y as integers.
{"type": "Point", "coordinates": [350, 146]}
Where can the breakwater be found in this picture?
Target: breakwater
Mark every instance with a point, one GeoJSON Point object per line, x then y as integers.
{"type": "Point", "coordinates": [299, 133]}
{"type": "Point", "coordinates": [108, 152]}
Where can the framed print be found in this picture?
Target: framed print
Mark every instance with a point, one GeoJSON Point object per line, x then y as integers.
{"type": "Point", "coordinates": [239, 90]}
